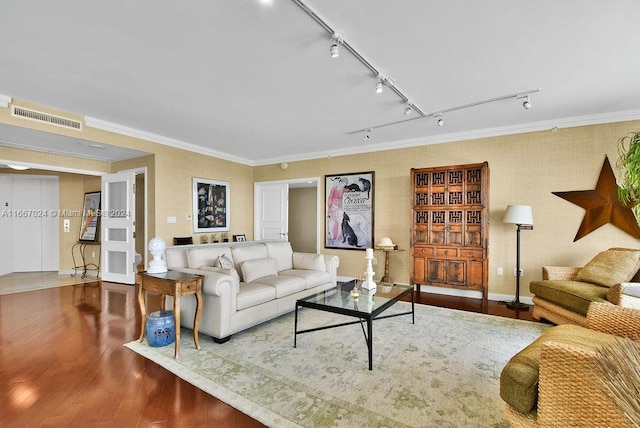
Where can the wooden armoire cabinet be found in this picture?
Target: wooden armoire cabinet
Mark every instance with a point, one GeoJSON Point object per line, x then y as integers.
{"type": "Point", "coordinates": [450, 227]}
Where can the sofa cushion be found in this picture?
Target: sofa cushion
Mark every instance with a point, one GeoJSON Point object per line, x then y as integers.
{"type": "Point", "coordinates": [254, 294]}
{"type": "Point", "coordinates": [283, 285]}
{"type": "Point", "coordinates": [282, 253]}
{"type": "Point", "coordinates": [258, 268]}
{"type": "Point", "coordinates": [519, 378]}
{"type": "Point", "coordinates": [573, 295]}
{"type": "Point", "coordinates": [610, 267]}
{"type": "Point", "coordinates": [205, 256]}
{"type": "Point", "coordinates": [309, 261]}
{"type": "Point", "coordinates": [312, 278]}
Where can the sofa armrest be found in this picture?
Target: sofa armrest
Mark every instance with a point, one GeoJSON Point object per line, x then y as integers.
{"type": "Point", "coordinates": [560, 273]}
{"type": "Point", "coordinates": [331, 262]}
{"type": "Point", "coordinates": [614, 319]}
{"type": "Point", "coordinates": [214, 283]}
{"type": "Point", "coordinates": [567, 388]}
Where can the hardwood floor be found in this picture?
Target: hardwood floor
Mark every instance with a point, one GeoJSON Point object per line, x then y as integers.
{"type": "Point", "coordinates": [62, 363]}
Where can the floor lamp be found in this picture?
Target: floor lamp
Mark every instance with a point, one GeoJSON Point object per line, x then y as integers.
{"type": "Point", "coordinates": [522, 217]}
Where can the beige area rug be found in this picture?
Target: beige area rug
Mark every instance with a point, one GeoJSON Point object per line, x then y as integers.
{"type": "Point", "coordinates": [443, 371]}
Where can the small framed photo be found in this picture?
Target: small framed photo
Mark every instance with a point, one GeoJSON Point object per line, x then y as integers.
{"type": "Point", "coordinates": [239, 238]}
{"type": "Point", "coordinates": [210, 205]}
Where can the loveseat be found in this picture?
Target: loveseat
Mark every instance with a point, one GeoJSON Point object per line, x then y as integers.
{"type": "Point", "coordinates": [556, 380]}
{"type": "Point", "coordinates": [565, 293]}
{"type": "Point", "coordinates": [247, 283]}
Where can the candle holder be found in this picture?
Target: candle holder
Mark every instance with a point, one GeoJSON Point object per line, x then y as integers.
{"type": "Point", "coordinates": [369, 283]}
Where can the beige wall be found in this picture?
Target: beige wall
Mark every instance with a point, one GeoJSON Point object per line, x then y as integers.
{"type": "Point", "coordinates": [169, 174]}
{"type": "Point", "coordinates": [524, 169]}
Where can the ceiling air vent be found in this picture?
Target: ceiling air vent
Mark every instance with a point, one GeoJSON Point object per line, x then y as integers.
{"type": "Point", "coordinates": [47, 118]}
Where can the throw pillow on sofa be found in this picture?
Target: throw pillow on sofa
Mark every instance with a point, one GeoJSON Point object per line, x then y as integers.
{"type": "Point", "coordinates": [309, 261]}
{"type": "Point", "coordinates": [258, 268]}
{"type": "Point", "coordinates": [610, 267]}
{"type": "Point", "coordinates": [225, 262]}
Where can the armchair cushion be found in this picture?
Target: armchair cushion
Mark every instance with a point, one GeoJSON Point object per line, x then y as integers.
{"type": "Point", "coordinates": [610, 267]}
{"type": "Point", "coordinates": [573, 295]}
{"type": "Point", "coordinates": [519, 378]}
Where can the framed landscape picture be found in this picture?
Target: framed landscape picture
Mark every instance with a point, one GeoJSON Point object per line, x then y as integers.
{"type": "Point", "coordinates": [349, 211]}
{"type": "Point", "coordinates": [210, 205]}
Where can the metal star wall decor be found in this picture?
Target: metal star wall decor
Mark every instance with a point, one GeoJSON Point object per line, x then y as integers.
{"type": "Point", "coordinates": [602, 205]}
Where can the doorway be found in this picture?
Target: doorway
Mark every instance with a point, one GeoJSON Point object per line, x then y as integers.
{"type": "Point", "coordinates": [291, 206]}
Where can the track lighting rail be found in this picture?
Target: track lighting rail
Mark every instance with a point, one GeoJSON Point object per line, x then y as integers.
{"type": "Point", "coordinates": [382, 80]}
{"type": "Point", "coordinates": [439, 113]}
{"type": "Point", "coordinates": [387, 82]}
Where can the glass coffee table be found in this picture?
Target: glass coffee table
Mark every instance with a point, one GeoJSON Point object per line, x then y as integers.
{"type": "Point", "coordinates": [369, 306]}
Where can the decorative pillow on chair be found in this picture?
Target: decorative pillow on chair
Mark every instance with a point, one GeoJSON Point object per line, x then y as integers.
{"type": "Point", "coordinates": [610, 267]}
{"type": "Point", "coordinates": [258, 268]}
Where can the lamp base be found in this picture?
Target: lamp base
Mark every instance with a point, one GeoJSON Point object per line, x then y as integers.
{"type": "Point", "coordinates": [517, 305]}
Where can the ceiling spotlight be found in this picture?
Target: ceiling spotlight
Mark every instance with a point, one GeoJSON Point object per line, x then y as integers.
{"type": "Point", "coordinates": [379, 85]}
{"type": "Point", "coordinates": [407, 108]}
{"type": "Point", "coordinates": [367, 134]}
{"type": "Point", "coordinates": [335, 46]}
{"type": "Point", "coordinates": [527, 103]}
{"type": "Point", "coordinates": [440, 120]}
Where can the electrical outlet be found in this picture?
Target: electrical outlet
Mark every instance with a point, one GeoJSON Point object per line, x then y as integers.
{"type": "Point", "coordinates": [67, 225]}
{"type": "Point", "coordinates": [521, 272]}
{"type": "Point", "coordinates": [500, 271]}
{"type": "Point", "coordinates": [93, 254]}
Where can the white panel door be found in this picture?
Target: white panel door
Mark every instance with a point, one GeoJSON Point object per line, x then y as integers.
{"type": "Point", "coordinates": [27, 228]}
{"type": "Point", "coordinates": [271, 202]}
{"type": "Point", "coordinates": [118, 207]}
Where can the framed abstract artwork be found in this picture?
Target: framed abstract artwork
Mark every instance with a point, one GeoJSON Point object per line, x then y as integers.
{"type": "Point", "coordinates": [349, 210]}
{"type": "Point", "coordinates": [210, 205]}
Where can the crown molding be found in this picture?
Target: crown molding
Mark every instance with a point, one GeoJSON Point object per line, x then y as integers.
{"type": "Point", "coordinates": [159, 139]}
{"type": "Point", "coordinates": [547, 125]}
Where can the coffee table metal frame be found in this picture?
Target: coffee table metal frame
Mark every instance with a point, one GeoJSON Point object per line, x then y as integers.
{"type": "Point", "coordinates": [383, 301]}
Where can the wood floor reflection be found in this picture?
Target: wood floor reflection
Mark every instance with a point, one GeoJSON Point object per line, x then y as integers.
{"type": "Point", "coordinates": [62, 363]}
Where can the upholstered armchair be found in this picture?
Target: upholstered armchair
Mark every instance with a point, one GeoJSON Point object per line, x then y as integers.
{"type": "Point", "coordinates": [552, 382]}
{"type": "Point", "coordinates": [565, 293]}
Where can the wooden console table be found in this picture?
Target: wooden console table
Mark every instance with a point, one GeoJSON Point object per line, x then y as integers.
{"type": "Point", "coordinates": [175, 284]}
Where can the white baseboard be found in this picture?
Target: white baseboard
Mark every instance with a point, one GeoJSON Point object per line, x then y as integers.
{"type": "Point", "coordinates": [472, 294]}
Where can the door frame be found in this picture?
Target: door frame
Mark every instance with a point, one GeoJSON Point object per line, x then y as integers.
{"type": "Point", "coordinates": [293, 183]}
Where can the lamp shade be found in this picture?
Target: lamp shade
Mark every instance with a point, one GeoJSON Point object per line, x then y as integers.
{"type": "Point", "coordinates": [518, 214]}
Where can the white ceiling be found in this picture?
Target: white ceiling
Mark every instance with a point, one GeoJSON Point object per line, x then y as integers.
{"type": "Point", "coordinates": [255, 83]}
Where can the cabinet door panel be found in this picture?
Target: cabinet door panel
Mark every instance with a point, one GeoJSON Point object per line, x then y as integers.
{"type": "Point", "coordinates": [418, 270]}
{"type": "Point", "coordinates": [456, 272]}
{"type": "Point", "coordinates": [436, 271]}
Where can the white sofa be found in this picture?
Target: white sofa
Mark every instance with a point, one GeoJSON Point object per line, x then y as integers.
{"type": "Point", "coordinates": [267, 279]}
